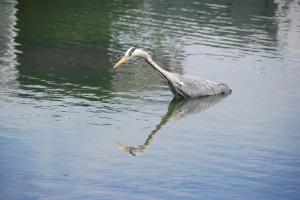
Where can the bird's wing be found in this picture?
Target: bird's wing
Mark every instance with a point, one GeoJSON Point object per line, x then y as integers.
{"type": "Point", "coordinates": [192, 86]}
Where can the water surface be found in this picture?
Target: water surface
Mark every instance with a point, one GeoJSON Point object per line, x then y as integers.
{"type": "Point", "coordinates": [71, 127]}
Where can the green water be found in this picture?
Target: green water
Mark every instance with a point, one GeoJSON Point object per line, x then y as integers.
{"type": "Point", "coordinates": [71, 127]}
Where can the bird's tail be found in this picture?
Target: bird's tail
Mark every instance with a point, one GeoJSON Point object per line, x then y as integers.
{"type": "Point", "coordinates": [224, 88]}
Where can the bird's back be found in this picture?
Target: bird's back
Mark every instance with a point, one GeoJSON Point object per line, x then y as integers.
{"type": "Point", "coordinates": [191, 86]}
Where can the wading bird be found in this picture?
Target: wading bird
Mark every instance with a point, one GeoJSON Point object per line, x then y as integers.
{"type": "Point", "coordinates": [181, 85]}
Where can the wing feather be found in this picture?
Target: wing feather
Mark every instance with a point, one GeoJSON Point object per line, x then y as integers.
{"type": "Point", "coordinates": [191, 86]}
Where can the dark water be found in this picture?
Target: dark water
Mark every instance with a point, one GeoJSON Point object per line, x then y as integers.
{"type": "Point", "coordinates": [73, 128]}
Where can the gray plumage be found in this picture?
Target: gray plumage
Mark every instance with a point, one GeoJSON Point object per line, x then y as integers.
{"type": "Point", "coordinates": [181, 85]}
{"type": "Point", "coordinates": [191, 87]}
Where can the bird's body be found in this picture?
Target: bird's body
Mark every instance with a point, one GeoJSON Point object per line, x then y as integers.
{"type": "Point", "coordinates": [185, 86]}
{"type": "Point", "coordinates": [191, 86]}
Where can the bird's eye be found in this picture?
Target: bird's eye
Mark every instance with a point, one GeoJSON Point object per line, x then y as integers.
{"type": "Point", "coordinates": [131, 51]}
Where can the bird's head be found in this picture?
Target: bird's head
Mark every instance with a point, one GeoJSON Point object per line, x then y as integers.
{"type": "Point", "coordinates": [130, 53]}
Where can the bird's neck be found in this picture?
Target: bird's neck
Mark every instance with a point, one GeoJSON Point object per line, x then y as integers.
{"type": "Point", "coordinates": [163, 73]}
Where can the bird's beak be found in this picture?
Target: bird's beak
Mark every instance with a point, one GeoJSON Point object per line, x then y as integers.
{"type": "Point", "coordinates": [120, 62]}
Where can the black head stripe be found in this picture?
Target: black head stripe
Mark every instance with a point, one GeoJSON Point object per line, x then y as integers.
{"type": "Point", "coordinates": [131, 51]}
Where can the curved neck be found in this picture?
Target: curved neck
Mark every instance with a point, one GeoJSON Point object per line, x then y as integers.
{"type": "Point", "coordinates": [163, 73]}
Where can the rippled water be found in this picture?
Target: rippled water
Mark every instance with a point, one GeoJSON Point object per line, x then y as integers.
{"type": "Point", "coordinates": [71, 127]}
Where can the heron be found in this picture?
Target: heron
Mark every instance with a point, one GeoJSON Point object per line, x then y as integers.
{"type": "Point", "coordinates": [184, 86]}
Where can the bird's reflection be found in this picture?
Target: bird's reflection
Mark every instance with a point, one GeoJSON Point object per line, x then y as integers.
{"type": "Point", "coordinates": [178, 108]}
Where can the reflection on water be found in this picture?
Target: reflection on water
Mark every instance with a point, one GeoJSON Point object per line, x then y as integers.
{"type": "Point", "coordinates": [8, 32]}
{"type": "Point", "coordinates": [62, 106]}
{"type": "Point", "coordinates": [178, 108]}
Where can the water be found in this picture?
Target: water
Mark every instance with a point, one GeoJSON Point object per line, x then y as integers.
{"type": "Point", "coordinates": [71, 127]}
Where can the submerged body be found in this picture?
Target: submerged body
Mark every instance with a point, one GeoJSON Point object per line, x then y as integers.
{"type": "Point", "coordinates": [181, 85]}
